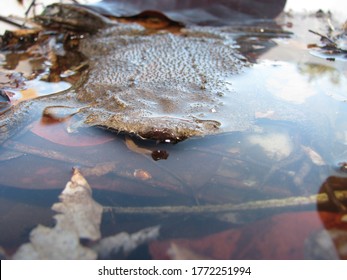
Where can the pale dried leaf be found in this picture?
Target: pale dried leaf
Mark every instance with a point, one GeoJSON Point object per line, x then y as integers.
{"type": "Point", "coordinates": [124, 242]}
{"type": "Point", "coordinates": [53, 244]}
{"type": "Point", "coordinates": [80, 217]}
{"type": "Point", "coordinates": [78, 208]}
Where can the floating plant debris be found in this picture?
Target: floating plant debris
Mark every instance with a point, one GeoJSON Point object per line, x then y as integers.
{"type": "Point", "coordinates": [162, 86]}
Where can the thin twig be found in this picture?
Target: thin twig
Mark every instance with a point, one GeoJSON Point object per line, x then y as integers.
{"type": "Point", "coordinates": [11, 22]}
{"type": "Point", "coordinates": [50, 154]}
{"type": "Point", "coordinates": [31, 6]}
{"type": "Point", "coordinates": [323, 36]}
{"type": "Point", "coordinates": [127, 174]}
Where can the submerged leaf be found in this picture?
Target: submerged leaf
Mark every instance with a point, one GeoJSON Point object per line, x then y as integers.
{"type": "Point", "coordinates": [283, 236]}
{"type": "Point", "coordinates": [124, 242]}
{"type": "Point", "coordinates": [177, 252]}
{"type": "Point", "coordinates": [78, 208]}
{"type": "Point", "coordinates": [57, 243]}
{"type": "Point", "coordinates": [57, 132]}
{"type": "Point", "coordinates": [80, 217]}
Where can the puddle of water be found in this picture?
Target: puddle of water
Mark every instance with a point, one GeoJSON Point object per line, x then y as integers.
{"type": "Point", "coordinates": [297, 141]}
{"type": "Point", "coordinates": [36, 88]}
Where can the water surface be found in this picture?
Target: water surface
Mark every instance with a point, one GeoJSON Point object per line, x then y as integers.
{"type": "Point", "coordinates": [298, 139]}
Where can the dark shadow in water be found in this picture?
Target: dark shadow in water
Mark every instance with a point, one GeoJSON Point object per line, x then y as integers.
{"type": "Point", "coordinates": [207, 12]}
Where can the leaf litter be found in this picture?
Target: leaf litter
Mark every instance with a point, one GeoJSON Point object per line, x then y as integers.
{"type": "Point", "coordinates": [79, 218]}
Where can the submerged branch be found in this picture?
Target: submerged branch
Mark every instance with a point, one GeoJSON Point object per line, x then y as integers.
{"type": "Point", "coordinates": [41, 152]}
{"type": "Point", "coordinates": [318, 199]}
{"type": "Point", "coordinates": [91, 168]}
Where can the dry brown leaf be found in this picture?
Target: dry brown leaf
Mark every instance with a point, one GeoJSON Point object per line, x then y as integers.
{"type": "Point", "coordinates": [283, 237]}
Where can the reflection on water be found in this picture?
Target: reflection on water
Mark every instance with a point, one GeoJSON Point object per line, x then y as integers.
{"type": "Point", "coordinates": [36, 88]}
{"type": "Point", "coordinates": [297, 139]}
